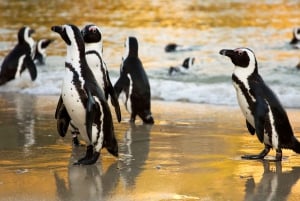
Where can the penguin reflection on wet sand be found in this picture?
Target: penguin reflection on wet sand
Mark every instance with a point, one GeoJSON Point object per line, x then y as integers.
{"type": "Point", "coordinates": [133, 81]}
{"type": "Point", "coordinates": [183, 68]}
{"type": "Point", "coordinates": [20, 58]}
{"type": "Point", "coordinates": [263, 111]}
{"type": "Point", "coordinates": [40, 51]}
{"type": "Point", "coordinates": [84, 100]}
{"type": "Point", "coordinates": [87, 182]}
{"type": "Point", "coordinates": [274, 184]}
{"type": "Point", "coordinates": [93, 39]}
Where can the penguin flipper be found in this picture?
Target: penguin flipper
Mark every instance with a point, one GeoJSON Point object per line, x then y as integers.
{"type": "Point", "coordinates": [29, 64]}
{"type": "Point", "coordinates": [250, 128]}
{"type": "Point", "coordinates": [90, 114]}
{"type": "Point", "coordinates": [113, 98]}
{"type": "Point", "coordinates": [121, 83]}
{"type": "Point", "coordinates": [63, 118]}
{"type": "Point", "coordinates": [261, 111]}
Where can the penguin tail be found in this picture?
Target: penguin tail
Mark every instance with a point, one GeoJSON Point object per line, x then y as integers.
{"type": "Point", "coordinates": [296, 145]}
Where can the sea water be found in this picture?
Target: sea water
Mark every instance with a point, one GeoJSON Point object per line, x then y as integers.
{"type": "Point", "coordinates": [203, 27]}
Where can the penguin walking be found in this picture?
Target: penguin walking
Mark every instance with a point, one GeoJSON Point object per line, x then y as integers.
{"type": "Point", "coordinates": [84, 100]}
{"type": "Point", "coordinates": [133, 81]}
{"type": "Point", "coordinates": [40, 50]}
{"type": "Point", "coordinates": [92, 37]}
{"type": "Point", "coordinates": [183, 68]}
{"type": "Point", "coordinates": [20, 58]}
{"type": "Point", "coordinates": [263, 111]}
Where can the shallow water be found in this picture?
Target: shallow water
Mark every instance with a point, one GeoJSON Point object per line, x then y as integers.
{"type": "Point", "coordinates": [204, 26]}
{"type": "Point", "coordinates": [193, 150]}
{"type": "Point", "coordinates": [191, 153]}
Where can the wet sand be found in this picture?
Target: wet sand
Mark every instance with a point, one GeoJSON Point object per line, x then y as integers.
{"type": "Point", "coordinates": [191, 153]}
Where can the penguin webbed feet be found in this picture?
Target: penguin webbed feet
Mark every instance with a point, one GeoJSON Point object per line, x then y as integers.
{"type": "Point", "coordinates": [262, 155]}
{"type": "Point", "coordinates": [90, 157]}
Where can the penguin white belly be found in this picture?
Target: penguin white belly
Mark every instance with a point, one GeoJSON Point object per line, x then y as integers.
{"type": "Point", "coordinates": [74, 106]}
{"type": "Point", "coordinates": [128, 102]}
{"type": "Point", "coordinates": [95, 65]}
{"type": "Point", "coordinates": [244, 106]}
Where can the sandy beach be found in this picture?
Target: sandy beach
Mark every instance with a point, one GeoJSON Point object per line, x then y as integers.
{"type": "Point", "coordinates": [191, 153]}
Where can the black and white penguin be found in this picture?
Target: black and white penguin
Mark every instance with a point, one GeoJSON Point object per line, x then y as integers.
{"type": "Point", "coordinates": [40, 50]}
{"type": "Point", "coordinates": [92, 37]}
{"type": "Point", "coordinates": [93, 52]}
{"type": "Point", "coordinates": [20, 58]}
{"type": "Point", "coordinates": [295, 42]}
{"type": "Point", "coordinates": [183, 68]}
{"type": "Point", "coordinates": [263, 111]}
{"type": "Point", "coordinates": [133, 81]}
{"type": "Point", "coordinates": [84, 100]}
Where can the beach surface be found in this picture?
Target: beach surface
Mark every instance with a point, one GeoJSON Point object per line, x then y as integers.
{"type": "Point", "coordinates": [192, 152]}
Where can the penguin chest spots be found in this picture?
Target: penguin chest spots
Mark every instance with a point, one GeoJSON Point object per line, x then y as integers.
{"type": "Point", "coordinates": [73, 102]}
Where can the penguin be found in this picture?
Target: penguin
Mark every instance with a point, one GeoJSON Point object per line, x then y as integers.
{"type": "Point", "coordinates": [264, 113]}
{"type": "Point", "coordinates": [183, 68]}
{"type": "Point", "coordinates": [40, 51]}
{"type": "Point", "coordinates": [133, 81]}
{"type": "Point", "coordinates": [20, 58]}
{"type": "Point", "coordinates": [84, 100]}
{"type": "Point", "coordinates": [295, 42]}
{"type": "Point", "coordinates": [93, 52]}
{"type": "Point", "coordinates": [174, 47]}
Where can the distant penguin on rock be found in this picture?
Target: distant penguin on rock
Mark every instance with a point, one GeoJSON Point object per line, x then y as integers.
{"type": "Point", "coordinates": [133, 81]}
{"type": "Point", "coordinates": [20, 58]}
{"type": "Point", "coordinates": [40, 51]}
{"type": "Point", "coordinates": [263, 111]}
{"type": "Point", "coordinates": [84, 100]}
{"type": "Point", "coordinates": [183, 68]}
{"type": "Point", "coordinates": [295, 42]}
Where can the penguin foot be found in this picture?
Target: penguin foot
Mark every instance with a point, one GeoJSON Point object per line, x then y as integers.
{"type": "Point", "coordinates": [261, 155]}
{"type": "Point", "coordinates": [252, 157]}
{"type": "Point", "coordinates": [88, 161]}
{"type": "Point", "coordinates": [76, 142]}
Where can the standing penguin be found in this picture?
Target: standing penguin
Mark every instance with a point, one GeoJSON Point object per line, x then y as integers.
{"type": "Point", "coordinates": [92, 37]}
{"type": "Point", "coordinates": [40, 51]}
{"type": "Point", "coordinates": [84, 100]}
{"type": "Point", "coordinates": [264, 114]}
{"type": "Point", "coordinates": [133, 81]}
{"type": "Point", "coordinates": [93, 52]}
{"type": "Point", "coordinates": [20, 58]}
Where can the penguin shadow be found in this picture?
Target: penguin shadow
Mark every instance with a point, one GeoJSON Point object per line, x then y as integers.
{"type": "Point", "coordinates": [88, 182]}
{"type": "Point", "coordinates": [274, 184]}
{"type": "Point", "coordinates": [134, 151]}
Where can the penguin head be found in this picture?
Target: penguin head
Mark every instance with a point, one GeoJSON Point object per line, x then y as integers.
{"type": "Point", "coordinates": [131, 47]}
{"type": "Point", "coordinates": [243, 59]}
{"type": "Point", "coordinates": [188, 62]}
{"type": "Point", "coordinates": [71, 35]}
{"type": "Point", "coordinates": [296, 35]}
{"type": "Point", "coordinates": [40, 51]}
{"type": "Point", "coordinates": [91, 34]}
{"type": "Point", "coordinates": [24, 35]}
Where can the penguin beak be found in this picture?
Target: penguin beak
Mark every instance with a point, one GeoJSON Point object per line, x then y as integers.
{"type": "Point", "coordinates": [57, 29]}
{"type": "Point", "coordinates": [227, 52]}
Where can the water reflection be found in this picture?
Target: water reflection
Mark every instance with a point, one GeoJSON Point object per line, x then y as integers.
{"type": "Point", "coordinates": [135, 150]}
{"type": "Point", "coordinates": [87, 182]}
{"type": "Point", "coordinates": [21, 133]}
{"type": "Point", "coordinates": [274, 184]}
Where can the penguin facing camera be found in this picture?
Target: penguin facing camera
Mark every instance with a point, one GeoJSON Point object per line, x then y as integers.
{"type": "Point", "coordinates": [133, 81]}
{"type": "Point", "coordinates": [263, 111]}
{"type": "Point", "coordinates": [40, 51]}
{"type": "Point", "coordinates": [183, 68]}
{"type": "Point", "coordinates": [84, 101]}
{"type": "Point", "coordinates": [93, 52]}
{"type": "Point", "coordinates": [20, 58]}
